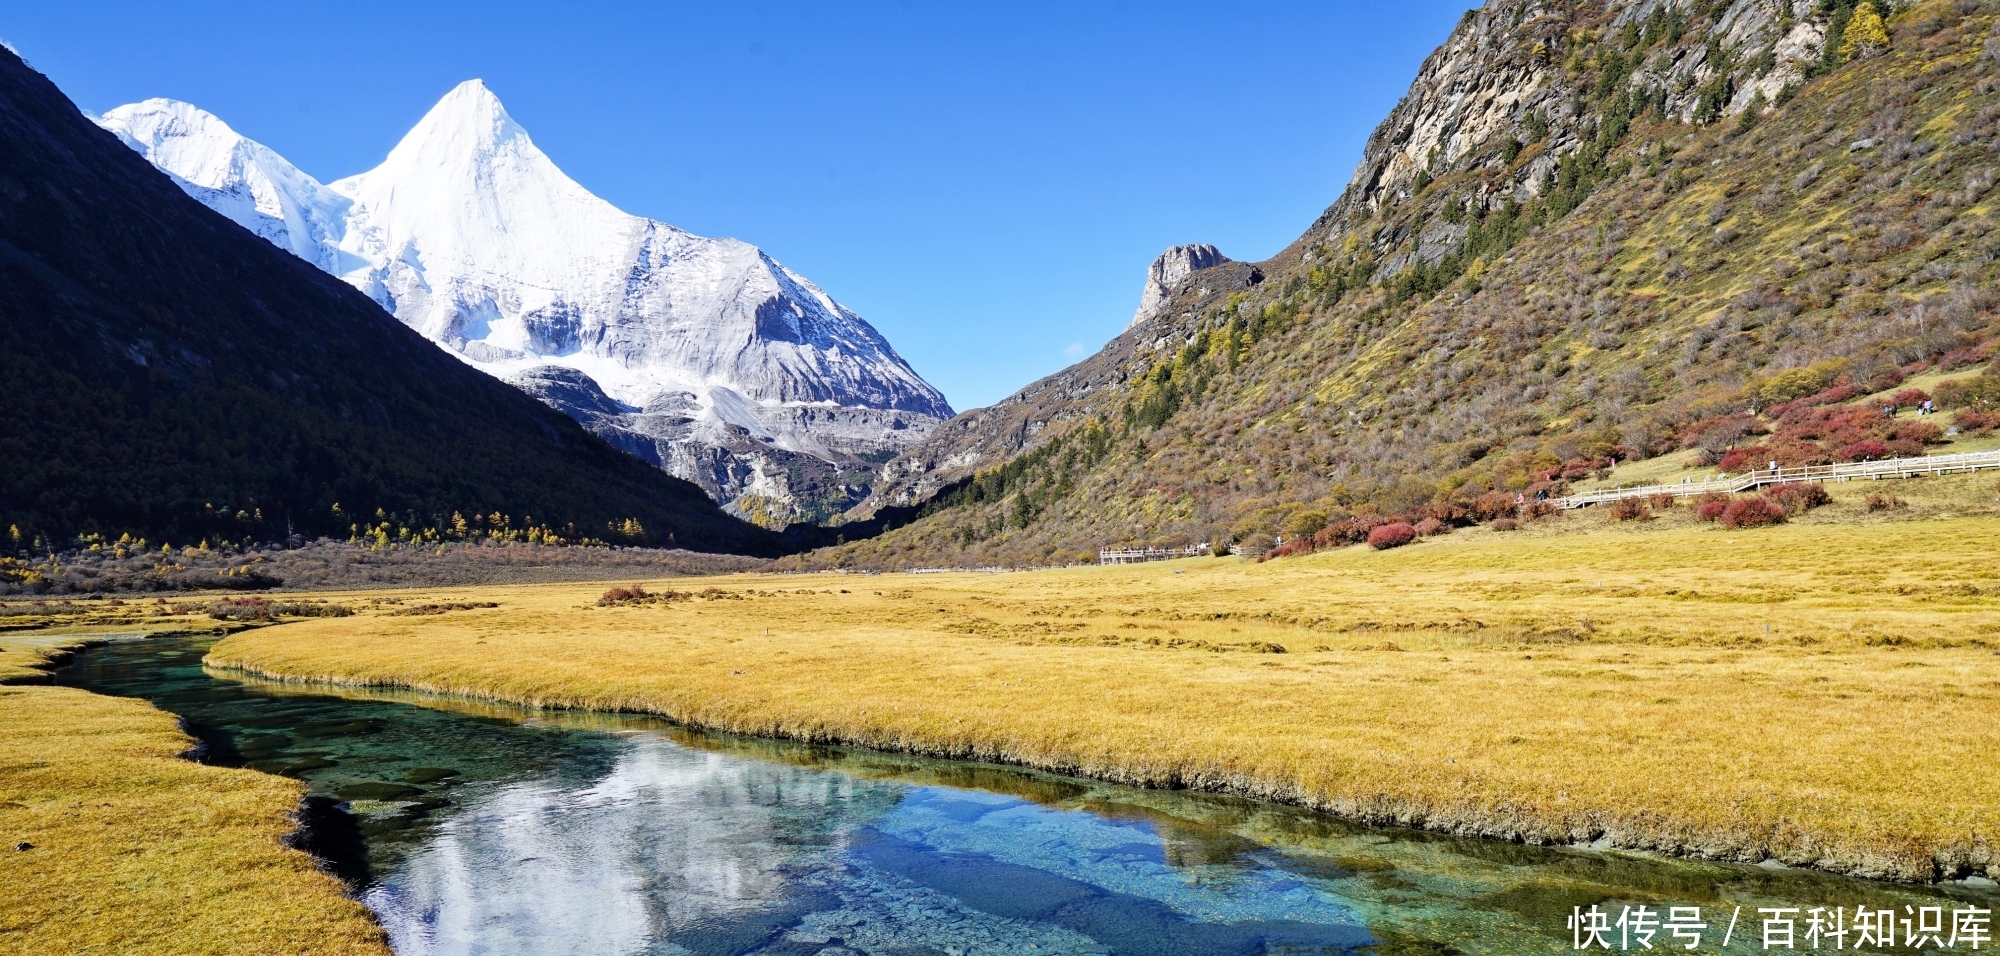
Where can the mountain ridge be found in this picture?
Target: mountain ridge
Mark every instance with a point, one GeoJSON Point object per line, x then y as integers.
{"type": "Point", "coordinates": [1587, 231]}
{"type": "Point", "coordinates": [471, 235]}
{"type": "Point", "coordinates": [174, 376]}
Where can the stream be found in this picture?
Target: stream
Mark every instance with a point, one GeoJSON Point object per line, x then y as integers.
{"type": "Point", "coordinates": [475, 828]}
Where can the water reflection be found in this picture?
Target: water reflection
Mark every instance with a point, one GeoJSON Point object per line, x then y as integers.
{"type": "Point", "coordinates": [477, 828]}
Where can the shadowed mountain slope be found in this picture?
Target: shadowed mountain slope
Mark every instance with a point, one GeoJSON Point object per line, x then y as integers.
{"type": "Point", "coordinates": [169, 374]}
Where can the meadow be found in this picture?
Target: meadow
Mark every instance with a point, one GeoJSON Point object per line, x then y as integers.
{"type": "Point", "coordinates": [1819, 694]}
{"type": "Point", "coordinates": [114, 844]}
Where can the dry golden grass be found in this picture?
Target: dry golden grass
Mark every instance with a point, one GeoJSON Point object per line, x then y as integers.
{"type": "Point", "coordinates": [1615, 685]}
{"type": "Point", "coordinates": [138, 851]}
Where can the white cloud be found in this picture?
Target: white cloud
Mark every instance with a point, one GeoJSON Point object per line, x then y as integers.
{"type": "Point", "coordinates": [1075, 350]}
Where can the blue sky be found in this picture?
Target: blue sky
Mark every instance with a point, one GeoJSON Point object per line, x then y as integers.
{"type": "Point", "coordinates": [984, 183]}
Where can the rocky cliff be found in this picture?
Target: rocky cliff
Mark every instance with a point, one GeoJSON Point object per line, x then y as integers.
{"type": "Point", "coordinates": [1168, 272]}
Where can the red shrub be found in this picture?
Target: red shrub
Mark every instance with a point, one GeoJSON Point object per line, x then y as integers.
{"type": "Point", "coordinates": [1709, 505]}
{"type": "Point", "coordinates": [1910, 396]}
{"type": "Point", "coordinates": [1744, 459]}
{"type": "Point", "coordinates": [1662, 501]}
{"type": "Point", "coordinates": [1431, 526]}
{"type": "Point", "coordinates": [1870, 450]}
{"type": "Point", "coordinates": [1505, 524]}
{"type": "Point", "coordinates": [1447, 513]}
{"type": "Point", "coordinates": [1751, 512]}
{"type": "Point", "coordinates": [1391, 536]}
{"type": "Point", "coordinates": [1977, 422]}
{"type": "Point", "coordinates": [1350, 531]}
{"type": "Point", "coordinates": [1631, 509]}
{"type": "Point", "coordinates": [1878, 502]}
{"type": "Point", "coordinates": [1922, 433]}
{"type": "Point", "coordinates": [1718, 431]}
{"type": "Point", "coordinates": [1798, 497]}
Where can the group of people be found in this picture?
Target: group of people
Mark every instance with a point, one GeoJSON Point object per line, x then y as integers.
{"type": "Point", "coordinates": [1924, 407]}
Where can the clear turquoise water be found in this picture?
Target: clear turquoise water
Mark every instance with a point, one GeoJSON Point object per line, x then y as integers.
{"type": "Point", "coordinates": [472, 828]}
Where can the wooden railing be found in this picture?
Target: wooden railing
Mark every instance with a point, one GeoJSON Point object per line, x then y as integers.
{"type": "Point", "coordinates": [1731, 484]}
{"type": "Point", "coordinates": [1137, 555]}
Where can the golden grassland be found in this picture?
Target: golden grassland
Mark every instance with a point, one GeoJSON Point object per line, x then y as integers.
{"type": "Point", "coordinates": [135, 850]}
{"type": "Point", "coordinates": [1820, 694]}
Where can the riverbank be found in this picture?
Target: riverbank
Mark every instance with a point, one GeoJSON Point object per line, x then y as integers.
{"type": "Point", "coordinates": [1812, 695]}
{"type": "Point", "coordinates": [111, 842]}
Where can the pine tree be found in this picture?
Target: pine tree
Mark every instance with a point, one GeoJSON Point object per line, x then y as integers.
{"type": "Point", "coordinates": [1865, 34]}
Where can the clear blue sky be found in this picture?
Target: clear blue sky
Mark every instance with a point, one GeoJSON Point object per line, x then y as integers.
{"type": "Point", "coordinates": [985, 183]}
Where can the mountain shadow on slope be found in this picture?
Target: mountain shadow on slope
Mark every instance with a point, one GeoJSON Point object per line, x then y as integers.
{"type": "Point", "coordinates": [170, 375]}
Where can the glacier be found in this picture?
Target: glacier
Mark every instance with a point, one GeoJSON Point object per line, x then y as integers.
{"type": "Point", "coordinates": [704, 356]}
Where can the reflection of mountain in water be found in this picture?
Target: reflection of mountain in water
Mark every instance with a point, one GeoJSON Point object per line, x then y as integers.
{"type": "Point", "coordinates": [670, 843]}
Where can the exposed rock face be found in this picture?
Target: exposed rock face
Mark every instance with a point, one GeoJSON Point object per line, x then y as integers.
{"type": "Point", "coordinates": [1168, 271]}
{"type": "Point", "coordinates": [1499, 77]}
{"type": "Point", "coordinates": [799, 462]}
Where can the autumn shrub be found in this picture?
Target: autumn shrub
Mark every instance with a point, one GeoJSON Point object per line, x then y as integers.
{"type": "Point", "coordinates": [1392, 536]}
{"type": "Point", "coordinates": [1347, 531]}
{"type": "Point", "coordinates": [1743, 459]}
{"type": "Point", "coordinates": [1980, 390]}
{"type": "Point", "coordinates": [1709, 506]}
{"type": "Point", "coordinates": [1830, 396]}
{"type": "Point", "coordinates": [240, 609]}
{"type": "Point", "coordinates": [1910, 396]}
{"type": "Point", "coordinates": [1504, 524]}
{"type": "Point", "coordinates": [1870, 450]}
{"type": "Point", "coordinates": [1886, 379]}
{"type": "Point", "coordinates": [1539, 509]}
{"type": "Point", "coordinates": [1976, 422]}
{"type": "Point", "coordinates": [1430, 527]}
{"type": "Point", "coordinates": [1751, 511]}
{"type": "Point", "coordinates": [1915, 433]}
{"type": "Point", "coordinates": [1449, 513]}
{"type": "Point", "coordinates": [1880, 502]}
{"type": "Point", "coordinates": [1631, 509]}
{"type": "Point", "coordinates": [1492, 505]}
{"type": "Point", "coordinates": [1664, 501]}
{"type": "Point", "coordinates": [1798, 497]}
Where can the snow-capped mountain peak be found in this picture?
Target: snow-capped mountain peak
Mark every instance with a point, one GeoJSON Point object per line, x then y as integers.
{"type": "Point", "coordinates": [471, 235]}
{"type": "Point", "coordinates": [468, 184]}
{"type": "Point", "coordinates": [236, 176]}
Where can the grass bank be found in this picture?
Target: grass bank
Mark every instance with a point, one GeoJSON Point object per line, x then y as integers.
{"type": "Point", "coordinates": [1819, 695]}
{"type": "Point", "coordinates": [131, 849]}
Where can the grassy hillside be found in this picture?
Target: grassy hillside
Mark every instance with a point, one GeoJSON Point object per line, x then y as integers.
{"type": "Point", "coordinates": [170, 375]}
{"type": "Point", "coordinates": [1621, 257]}
{"type": "Point", "coordinates": [1668, 686]}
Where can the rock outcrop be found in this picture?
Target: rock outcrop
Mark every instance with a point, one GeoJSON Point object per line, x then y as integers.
{"type": "Point", "coordinates": [1167, 273]}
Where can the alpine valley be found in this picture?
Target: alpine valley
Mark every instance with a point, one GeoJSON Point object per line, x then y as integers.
{"type": "Point", "coordinates": [705, 357]}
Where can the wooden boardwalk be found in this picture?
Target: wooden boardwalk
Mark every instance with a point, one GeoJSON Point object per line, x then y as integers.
{"type": "Point", "coordinates": [1731, 484]}
{"type": "Point", "coordinates": [1138, 555]}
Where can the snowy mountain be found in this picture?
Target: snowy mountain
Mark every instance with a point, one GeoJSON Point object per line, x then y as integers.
{"type": "Point", "coordinates": [704, 356]}
{"type": "Point", "coordinates": [236, 177]}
